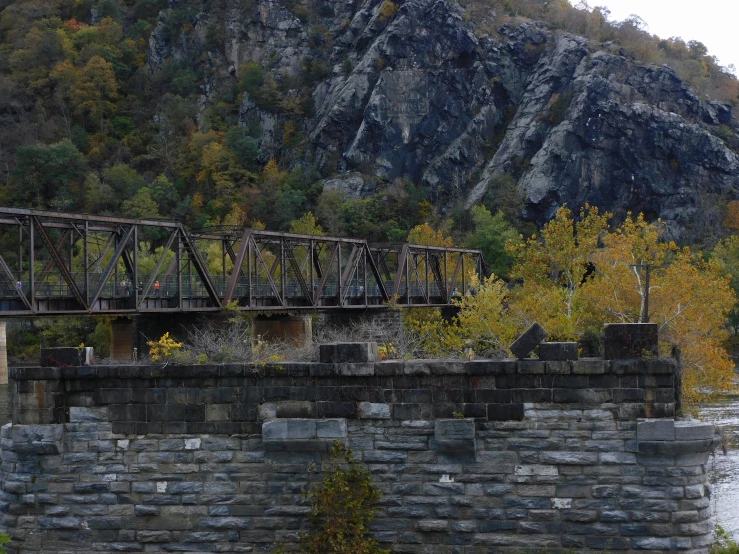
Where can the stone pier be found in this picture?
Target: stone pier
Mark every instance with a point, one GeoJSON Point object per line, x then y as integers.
{"type": "Point", "coordinates": [471, 457]}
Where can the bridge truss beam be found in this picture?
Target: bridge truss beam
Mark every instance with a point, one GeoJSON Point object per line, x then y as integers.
{"type": "Point", "coordinates": [54, 263]}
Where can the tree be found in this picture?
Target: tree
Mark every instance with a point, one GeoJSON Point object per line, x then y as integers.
{"type": "Point", "coordinates": [689, 299]}
{"type": "Point", "coordinates": [482, 321]}
{"type": "Point", "coordinates": [491, 234]}
{"type": "Point", "coordinates": [425, 234]}
{"type": "Point", "coordinates": [96, 90]}
{"type": "Point", "coordinates": [551, 271]}
{"type": "Point", "coordinates": [306, 225]}
{"type": "Point", "coordinates": [50, 172]}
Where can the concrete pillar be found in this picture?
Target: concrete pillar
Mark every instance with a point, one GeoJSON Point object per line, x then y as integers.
{"type": "Point", "coordinates": [121, 341]}
{"type": "Point", "coordinates": [295, 329]}
{"type": "Point", "coordinates": [3, 355]}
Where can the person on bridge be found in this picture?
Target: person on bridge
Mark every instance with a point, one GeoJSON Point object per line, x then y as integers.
{"type": "Point", "coordinates": [157, 286]}
{"type": "Point", "coordinates": [123, 287]}
{"type": "Point", "coordinates": [19, 284]}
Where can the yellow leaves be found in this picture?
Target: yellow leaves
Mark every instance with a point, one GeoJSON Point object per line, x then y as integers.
{"type": "Point", "coordinates": [425, 234]}
{"type": "Point", "coordinates": [163, 349]}
{"type": "Point", "coordinates": [387, 10]}
{"type": "Point", "coordinates": [307, 225]}
{"type": "Point", "coordinates": [483, 323]}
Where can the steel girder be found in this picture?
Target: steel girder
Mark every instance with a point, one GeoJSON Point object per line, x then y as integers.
{"type": "Point", "coordinates": [64, 263]}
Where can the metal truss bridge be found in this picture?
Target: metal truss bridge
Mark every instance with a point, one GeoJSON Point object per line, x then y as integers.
{"type": "Point", "coordinates": [54, 263]}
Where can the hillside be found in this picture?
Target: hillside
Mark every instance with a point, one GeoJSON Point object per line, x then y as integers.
{"type": "Point", "coordinates": [374, 115]}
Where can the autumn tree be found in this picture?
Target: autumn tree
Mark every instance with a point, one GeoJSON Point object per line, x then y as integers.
{"type": "Point", "coordinates": [551, 270]}
{"type": "Point", "coordinates": [689, 299]}
{"type": "Point", "coordinates": [96, 90]}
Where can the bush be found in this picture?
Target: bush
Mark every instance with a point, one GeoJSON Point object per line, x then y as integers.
{"type": "Point", "coordinates": [342, 507]}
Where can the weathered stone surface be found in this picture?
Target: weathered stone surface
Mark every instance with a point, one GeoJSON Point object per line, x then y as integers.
{"type": "Point", "coordinates": [630, 340]}
{"type": "Point", "coordinates": [349, 353]}
{"type": "Point", "coordinates": [528, 340]}
{"type": "Point", "coordinates": [66, 356]}
{"type": "Point", "coordinates": [693, 430]}
{"type": "Point", "coordinates": [373, 410]}
{"type": "Point", "coordinates": [558, 351]}
{"type": "Point", "coordinates": [656, 430]}
{"type": "Point", "coordinates": [550, 453]}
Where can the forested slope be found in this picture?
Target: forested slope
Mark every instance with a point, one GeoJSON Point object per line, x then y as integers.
{"type": "Point", "coordinates": [375, 115]}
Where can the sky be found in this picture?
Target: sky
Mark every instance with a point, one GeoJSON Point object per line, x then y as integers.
{"type": "Point", "coordinates": [712, 22]}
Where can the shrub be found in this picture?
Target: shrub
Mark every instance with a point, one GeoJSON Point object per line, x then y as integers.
{"type": "Point", "coordinates": [164, 349]}
{"type": "Point", "coordinates": [342, 507]}
{"type": "Point", "coordinates": [387, 10]}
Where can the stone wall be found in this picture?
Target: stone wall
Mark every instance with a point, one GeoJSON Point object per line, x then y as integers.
{"type": "Point", "coordinates": [471, 456]}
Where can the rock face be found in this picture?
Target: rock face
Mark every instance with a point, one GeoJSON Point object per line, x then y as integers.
{"type": "Point", "coordinates": [416, 94]}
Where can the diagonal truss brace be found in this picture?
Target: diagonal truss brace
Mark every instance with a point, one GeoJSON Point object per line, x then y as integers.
{"type": "Point", "coordinates": [60, 263]}
{"type": "Point", "coordinates": [9, 275]}
{"type": "Point", "coordinates": [125, 238]}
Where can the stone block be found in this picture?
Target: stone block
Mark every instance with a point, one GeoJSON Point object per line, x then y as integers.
{"type": "Point", "coordinates": [284, 429]}
{"type": "Point", "coordinates": [331, 428]}
{"type": "Point", "coordinates": [693, 430]}
{"type": "Point", "coordinates": [558, 351]}
{"type": "Point", "coordinates": [295, 409]}
{"type": "Point", "coordinates": [66, 356]}
{"type": "Point", "coordinates": [589, 366]}
{"type": "Point", "coordinates": [349, 352]}
{"type": "Point", "coordinates": [88, 414]}
{"type": "Point", "coordinates": [373, 410]}
{"type": "Point", "coordinates": [454, 429]}
{"type": "Point", "coordinates": [655, 430]}
{"type": "Point", "coordinates": [355, 370]}
{"type": "Point", "coordinates": [624, 341]}
{"type": "Point", "coordinates": [454, 435]}
{"type": "Point", "coordinates": [528, 340]}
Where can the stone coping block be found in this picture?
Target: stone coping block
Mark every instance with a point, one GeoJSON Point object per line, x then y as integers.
{"type": "Point", "coordinates": [299, 434]}
{"type": "Point", "coordinates": [528, 340]}
{"type": "Point", "coordinates": [558, 351]}
{"type": "Point", "coordinates": [655, 430]}
{"type": "Point", "coordinates": [349, 352]}
{"type": "Point", "coordinates": [387, 368]}
{"type": "Point", "coordinates": [624, 341]}
{"type": "Point", "coordinates": [693, 430]}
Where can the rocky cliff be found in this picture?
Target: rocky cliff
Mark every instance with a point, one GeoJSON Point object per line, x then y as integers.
{"type": "Point", "coordinates": [411, 91]}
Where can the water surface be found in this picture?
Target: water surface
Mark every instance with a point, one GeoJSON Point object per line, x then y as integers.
{"type": "Point", "coordinates": [725, 467]}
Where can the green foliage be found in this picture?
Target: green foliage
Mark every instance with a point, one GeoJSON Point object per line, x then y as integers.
{"type": "Point", "coordinates": [49, 173]}
{"type": "Point", "coordinates": [342, 507]}
{"type": "Point", "coordinates": [491, 234]}
{"type": "Point", "coordinates": [4, 539]}
{"type": "Point", "coordinates": [72, 331]}
{"type": "Point", "coordinates": [724, 543]}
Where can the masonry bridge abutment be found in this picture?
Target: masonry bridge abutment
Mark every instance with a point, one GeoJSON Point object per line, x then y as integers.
{"type": "Point", "coordinates": [471, 457]}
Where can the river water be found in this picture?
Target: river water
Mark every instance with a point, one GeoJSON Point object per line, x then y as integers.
{"type": "Point", "coordinates": [724, 467]}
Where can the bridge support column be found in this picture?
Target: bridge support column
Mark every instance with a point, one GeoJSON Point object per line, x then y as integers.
{"type": "Point", "coordinates": [3, 355]}
{"type": "Point", "coordinates": [289, 328]}
{"type": "Point", "coordinates": [121, 341]}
